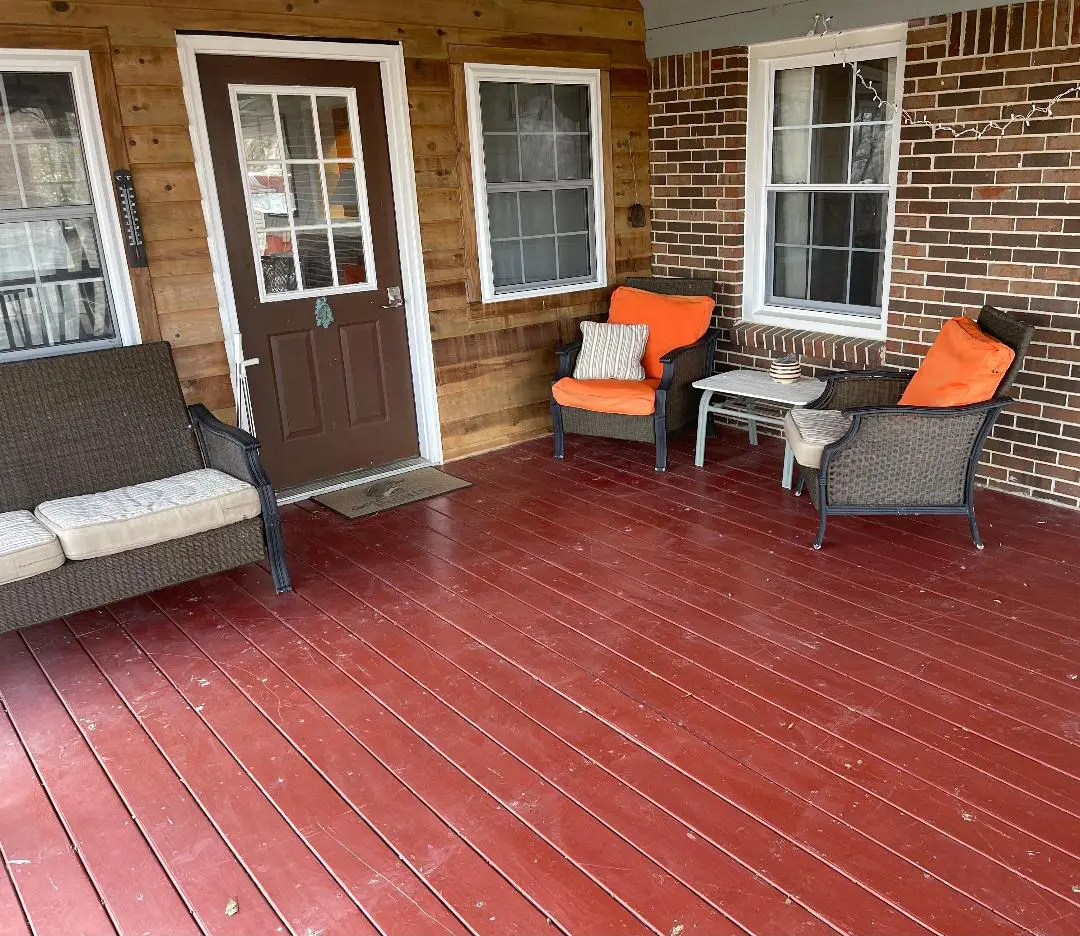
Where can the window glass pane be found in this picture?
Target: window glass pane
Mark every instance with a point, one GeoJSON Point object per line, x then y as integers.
{"type": "Point", "coordinates": [344, 198]}
{"type": "Point", "coordinates": [535, 111]}
{"type": "Point", "coordinates": [790, 156]}
{"type": "Point", "coordinates": [791, 217]}
{"type": "Point", "coordinates": [42, 106]}
{"type": "Point", "coordinates": [65, 249]}
{"type": "Point", "coordinates": [832, 219]}
{"type": "Point", "coordinates": [829, 275]}
{"type": "Point", "coordinates": [53, 174]}
{"type": "Point", "coordinates": [868, 230]}
{"type": "Point", "coordinates": [537, 213]}
{"type": "Point", "coordinates": [349, 255]}
{"type": "Point", "coordinates": [314, 250]}
{"type": "Point", "coordinates": [334, 130]}
{"type": "Point", "coordinates": [571, 107]}
{"type": "Point", "coordinates": [16, 265]}
{"type": "Point", "coordinates": [501, 158]}
{"type": "Point", "coordinates": [829, 159]}
{"type": "Point", "coordinates": [539, 256]}
{"type": "Point", "coordinates": [574, 256]}
{"type": "Point", "coordinates": [506, 263]}
{"type": "Point", "coordinates": [498, 110]}
{"type": "Point", "coordinates": [258, 130]}
{"type": "Point", "coordinates": [879, 74]}
{"type": "Point", "coordinates": [297, 126]}
{"type": "Point", "coordinates": [266, 185]}
{"type": "Point", "coordinates": [309, 207]}
{"type": "Point", "coordinates": [789, 272]}
{"type": "Point", "coordinates": [276, 258]}
{"type": "Point", "coordinates": [574, 157]}
{"type": "Point", "coordinates": [869, 145]}
{"type": "Point", "coordinates": [54, 314]}
{"type": "Point", "coordinates": [572, 209]}
{"type": "Point", "coordinates": [9, 185]}
{"type": "Point", "coordinates": [791, 97]}
{"type": "Point", "coordinates": [832, 94]}
{"type": "Point", "coordinates": [503, 214]}
{"type": "Point", "coordinates": [867, 270]}
{"type": "Point", "coordinates": [537, 157]}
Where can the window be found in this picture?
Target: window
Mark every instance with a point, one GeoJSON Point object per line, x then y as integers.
{"type": "Point", "coordinates": [62, 282]}
{"type": "Point", "coordinates": [306, 195]}
{"type": "Point", "coordinates": [822, 201]}
{"type": "Point", "coordinates": [537, 162]}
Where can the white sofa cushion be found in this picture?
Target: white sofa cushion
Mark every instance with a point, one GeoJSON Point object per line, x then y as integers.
{"type": "Point", "coordinates": [26, 547]}
{"type": "Point", "coordinates": [808, 431]}
{"type": "Point", "coordinates": [93, 525]}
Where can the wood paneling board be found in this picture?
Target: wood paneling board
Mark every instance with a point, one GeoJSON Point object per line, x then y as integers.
{"type": "Point", "coordinates": [152, 129]}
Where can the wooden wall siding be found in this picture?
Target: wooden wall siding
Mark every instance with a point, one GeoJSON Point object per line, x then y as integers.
{"type": "Point", "coordinates": [494, 362]}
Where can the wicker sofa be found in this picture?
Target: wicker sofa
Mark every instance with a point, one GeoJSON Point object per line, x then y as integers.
{"type": "Point", "coordinates": [875, 457]}
{"type": "Point", "coordinates": [676, 400]}
{"type": "Point", "coordinates": [98, 423]}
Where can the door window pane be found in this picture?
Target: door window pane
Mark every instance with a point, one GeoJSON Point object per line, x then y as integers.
{"type": "Point", "coordinates": [538, 182]}
{"type": "Point", "coordinates": [307, 207]}
{"type": "Point", "coordinates": [53, 288]}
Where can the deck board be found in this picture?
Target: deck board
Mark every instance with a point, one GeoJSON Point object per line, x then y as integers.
{"type": "Point", "coordinates": [578, 697]}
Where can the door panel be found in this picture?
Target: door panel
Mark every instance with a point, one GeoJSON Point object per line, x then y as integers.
{"type": "Point", "coordinates": [362, 355]}
{"type": "Point", "coordinates": [303, 173]}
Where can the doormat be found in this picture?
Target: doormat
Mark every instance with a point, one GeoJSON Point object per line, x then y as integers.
{"type": "Point", "coordinates": [363, 499]}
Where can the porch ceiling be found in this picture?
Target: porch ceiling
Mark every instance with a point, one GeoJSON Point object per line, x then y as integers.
{"type": "Point", "coordinates": [674, 26]}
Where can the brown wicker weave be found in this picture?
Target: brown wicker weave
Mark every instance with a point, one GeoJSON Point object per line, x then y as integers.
{"type": "Point", "coordinates": [676, 399]}
{"type": "Point", "coordinates": [82, 423]}
{"type": "Point", "coordinates": [907, 459]}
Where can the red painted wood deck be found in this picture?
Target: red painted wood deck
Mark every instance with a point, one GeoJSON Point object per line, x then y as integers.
{"type": "Point", "coordinates": [578, 697]}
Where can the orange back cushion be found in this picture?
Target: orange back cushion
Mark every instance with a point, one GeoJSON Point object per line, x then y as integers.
{"type": "Point", "coordinates": [964, 365]}
{"type": "Point", "coordinates": [673, 321]}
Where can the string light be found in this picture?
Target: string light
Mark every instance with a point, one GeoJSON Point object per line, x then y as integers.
{"type": "Point", "coordinates": [974, 131]}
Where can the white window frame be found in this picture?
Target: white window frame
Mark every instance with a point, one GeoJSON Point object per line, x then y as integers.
{"type": "Point", "coordinates": [764, 61]}
{"type": "Point", "coordinates": [372, 282]}
{"type": "Point", "coordinates": [76, 63]}
{"type": "Point", "coordinates": [528, 74]}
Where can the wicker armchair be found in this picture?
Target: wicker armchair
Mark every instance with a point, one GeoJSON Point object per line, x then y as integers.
{"type": "Point", "coordinates": [906, 459]}
{"type": "Point", "coordinates": [676, 399]}
{"type": "Point", "coordinates": [101, 420]}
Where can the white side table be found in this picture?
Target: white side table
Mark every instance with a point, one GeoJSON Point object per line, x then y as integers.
{"type": "Point", "coordinates": [740, 392]}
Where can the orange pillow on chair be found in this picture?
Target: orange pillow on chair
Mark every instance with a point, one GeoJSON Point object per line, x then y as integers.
{"type": "Point", "coordinates": [673, 321]}
{"type": "Point", "coordinates": [964, 365]}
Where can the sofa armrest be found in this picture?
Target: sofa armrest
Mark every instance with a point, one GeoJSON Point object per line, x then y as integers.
{"type": "Point", "coordinates": [236, 453]}
{"type": "Point", "coordinates": [567, 359]}
{"type": "Point", "coordinates": [848, 389]}
{"type": "Point", "coordinates": [226, 447]}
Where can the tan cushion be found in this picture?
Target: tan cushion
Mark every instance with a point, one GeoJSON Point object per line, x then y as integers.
{"type": "Point", "coordinates": [808, 431]}
{"type": "Point", "coordinates": [92, 525]}
{"type": "Point", "coordinates": [26, 547]}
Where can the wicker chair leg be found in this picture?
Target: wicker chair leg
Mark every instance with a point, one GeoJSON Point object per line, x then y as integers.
{"type": "Point", "coordinates": [275, 553]}
{"type": "Point", "coordinates": [975, 538]}
{"type": "Point", "coordinates": [822, 519]}
{"type": "Point", "coordinates": [800, 484]}
{"type": "Point", "coordinates": [660, 428]}
{"type": "Point", "coordinates": [557, 427]}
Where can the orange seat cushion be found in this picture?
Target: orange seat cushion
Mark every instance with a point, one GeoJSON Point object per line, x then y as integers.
{"type": "Point", "coordinates": [625, 397]}
{"type": "Point", "coordinates": [673, 321]}
{"type": "Point", "coordinates": [964, 365]}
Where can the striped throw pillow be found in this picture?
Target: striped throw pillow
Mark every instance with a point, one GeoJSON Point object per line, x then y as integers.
{"type": "Point", "coordinates": [611, 352]}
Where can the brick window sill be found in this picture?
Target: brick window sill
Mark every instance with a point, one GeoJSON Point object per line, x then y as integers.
{"type": "Point", "coordinates": [813, 346]}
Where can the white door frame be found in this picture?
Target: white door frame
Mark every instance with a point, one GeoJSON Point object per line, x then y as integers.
{"type": "Point", "coordinates": [391, 62]}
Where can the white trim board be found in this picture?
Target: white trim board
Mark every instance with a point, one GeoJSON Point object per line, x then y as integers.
{"type": "Point", "coordinates": [391, 62]}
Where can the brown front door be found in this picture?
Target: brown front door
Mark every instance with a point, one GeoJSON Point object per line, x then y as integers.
{"type": "Point", "coordinates": [302, 166]}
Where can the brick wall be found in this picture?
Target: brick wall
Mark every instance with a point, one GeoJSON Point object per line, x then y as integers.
{"type": "Point", "coordinates": [995, 220]}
